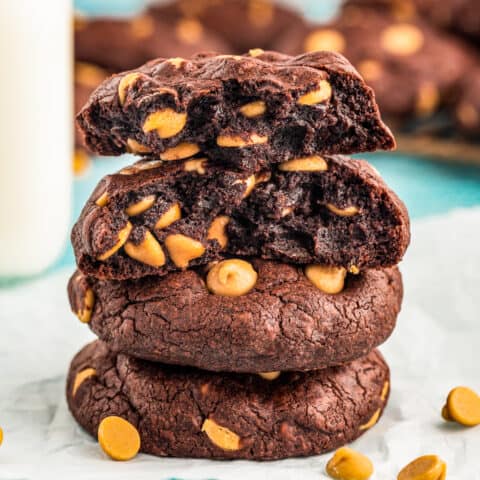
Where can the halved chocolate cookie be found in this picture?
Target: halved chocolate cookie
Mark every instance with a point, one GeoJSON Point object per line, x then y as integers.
{"type": "Point", "coordinates": [250, 111]}
{"type": "Point", "coordinates": [154, 218]}
{"type": "Point", "coordinates": [189, 413]}
{"type": "Point", "coordinates": [243, 315]}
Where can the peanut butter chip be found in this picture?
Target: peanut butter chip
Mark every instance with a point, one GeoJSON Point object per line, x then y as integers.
{"type": "Point", "coordinates": [370, 69]}
{"type": "Point", "coordinates": [385, 389]}
{"type": "Point", "coordinates": [255, 52]}
{"type": "Point", "coordinates": [148, 251]}
{"type": "Point", "coordinates": [373, 420]}
{"type": "Point", "coordinates": [189, 30]}
{"type": "Point", "coordinates": [249, 185]}
{"type": "Point", "coordinates": [85, 312]}
{"type": "Point", "coordinates": [446, 415]}
{"type": "Point", "coordinates": [220, 436]}
{"type": "Point", "coordinates": [314, 163]}
{"type": "Point", "coordinates": [253, 109]}
{"type": "Point", "coordinates": [141, 206]}
{"type": "Point", "coordinates": [142, 27]}
{"type": "Point", "coordinates": [235, 141]}
{"type": "Point", "coordinates": [326, 278]}
{"type": "Point", "coordinates": [326, 39]}
{"type": "Point", "coordinates": [463, 406]}
{"type": "Point", "coordinates": [428, 467]}
{"type": "Point", "coordinates": [166, 122]}
{"type": "Point", "coordinates": [102, 200]}
{"type": "Point", "coordinates": [123, 235]}
{"type": "Point", "coordinates": [270, 375]}
{"type": "Point", "coordinates": [217, 230]}
{"type": "Point", "coordinates": [177, 62]}
{"type": "Point", "coordinates": [198, 165]}
{"type": "Point", "coordinates": [427, 99]}
{"type": "Point", "coordinates": [81, 377]}
{"type": "Point", "coordinates": [182, 150]}
{"type": "Point", "coordinates": [125, 83]}
{"type": "Point", "coordinates": [171, 215]}
{"type": "Point", "coordinates": [347, 464]}
{"type": "Point", "coordinates": [231, 278]}
{"type": "Point", "coordinates": [319, 95]}
{"type": "Point", "coordinates": [183, 249]}
{"type": "Point", "coordinates": [81, 162]}
{"type": "Point", "coordinates": [401, 39]}
{"type": "Point", "coordinates": [136, 147]}
{"type": "Point", "coordinates": [354, 270]}
{"type": "Point", "coordinates": [118, 438]}
{"type": "Point", "coordinates": [343, 212]}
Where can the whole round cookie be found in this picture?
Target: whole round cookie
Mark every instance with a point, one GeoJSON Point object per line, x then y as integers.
{"type": "Point", "coordinates": [281, 321]}
{"type": "Point", "coordinates": [412, 67]}
{"type": "Point", "coordinates": [184, 412]}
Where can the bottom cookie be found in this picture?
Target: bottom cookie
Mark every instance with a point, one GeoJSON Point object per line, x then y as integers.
{"type": "Point", "coordinates": [184, 412]}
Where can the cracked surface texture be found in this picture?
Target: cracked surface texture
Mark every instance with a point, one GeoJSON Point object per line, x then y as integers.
{"type": "Point", "coordinates": [207, 93]}
{"type": "Point", "coordinates": [284, 323]}
{"type": "Point", "coordinates": [287, 216]}
{"type": "Point", "coordinates": [298, 414]}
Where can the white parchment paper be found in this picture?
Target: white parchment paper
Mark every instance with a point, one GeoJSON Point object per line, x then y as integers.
{"type": "Point", "coordinates": [435, 347]}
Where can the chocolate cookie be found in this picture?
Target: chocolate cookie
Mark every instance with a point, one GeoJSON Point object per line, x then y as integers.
{"type": "Point", "coordinates": [284, 322]}
{"type": "Point", "coordinates": [250, 111]}
{"type": "Point", "coordinates": [467, 107]}
{"type": "Point", "coordinates": [184, 412]}
{"type": "Point", "coordinates": [122, 44]}
{"type": "Point", "coordinates": [157, 217]}
{"type": "Point", "coordinates": [244, 24]}
{"type": "Point", "coordinates": [412, 68]}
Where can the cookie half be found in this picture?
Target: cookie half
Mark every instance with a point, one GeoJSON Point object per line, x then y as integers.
{"type": "Point", "coordinates": [250, 111]}
{"type": "Point", "coordinates": [189, 413]}
{"type": "Point", "coordinates": [284, 322]}
{"type": "Point", "coordinates": [154, 218]}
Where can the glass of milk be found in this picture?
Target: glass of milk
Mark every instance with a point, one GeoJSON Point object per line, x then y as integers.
{"type": "Point", "coordinates": [35, 134]}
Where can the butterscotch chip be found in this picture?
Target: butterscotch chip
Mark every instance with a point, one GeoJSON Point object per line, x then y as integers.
{"type": "Point", "coordinates": [231, 278]}
{"type": "Point", "coordinates": [249, 182]}
{"type": "Point", "coordinates": [84, 314]}
{"type": "Point", "coordinates": [402, 39]}
{"type": "Point", "coordinates": [148, 251]}
{"type": "Point", "coordinates": [217, 230]}
{"type": "Point", "coordinates": [385, 390]}
{"type": "Point", "coordinates": [81, 162]}
{"type": "Point", "coordinates": [314, 163]}
{"type": "Point", "coordinates": [347, 464]}
{"type": "Point", "coordinates": [326, 39]}
{"type": "Point", "coordinates": [253, 109]}
{"type": "Point", "coordinates": [1, 435]}
{"type": "Point", "coordinates": [182, 150]}
{"type": "Point", "coordinates": [427, 467]}
{"type": "Point", "coordinates": [89, 75]}
{"type": "Point", "coordinates": [183, 249]}
{"type": "Point", "coordinates": [373, 420]}
{"type": "Point", "coordinates": [270, 375]}
{"type": "Point", "coordinates": [123, 235]}
{"type": "Point", "coordinates": [81, 377]}
{"type": "Point", "coordinates": [125, 83]}
{"type": "Point", "coordinates": [319, 95]}
{"type": "Point", "coordinates": [177, 62]}
{"type": "Point", "coordinates": [343, 212]}
{"type": "Point", "coordinates": [136, 147]}
{"type": "Point", "coordinates": [220, 436]}
{"type": "Point", "coordinates": [102, 200]}
{"type": "Point", "coordinates": [235, 141]}
{"type": "Point", "coordinates": [428, 99]}
{"type": "Point", "coordinates": [445, 414]}
{"type": "Point", "coordinates": [326, 278]}
{"type": "Point", "coordinates": [166, 122]}
{"type": "Point", "coordinates": [173, 214]}
{"type": "Point", "coordinates": [141, 206]}
{"type": "Point", "coordinates": [354, 269]}
{"type": "Point", "coordinates": [463, 406]}
{"type": "Point", "coordinates": [198, 165]}
{"type": "Point", "coordinates": [118, 438]}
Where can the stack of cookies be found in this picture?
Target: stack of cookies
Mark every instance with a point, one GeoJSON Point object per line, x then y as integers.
{"type": "Point", "coordinates": [242, 273]}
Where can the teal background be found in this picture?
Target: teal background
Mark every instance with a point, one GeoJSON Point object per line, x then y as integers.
{"type": "Point", "coordinates": [426, 186]}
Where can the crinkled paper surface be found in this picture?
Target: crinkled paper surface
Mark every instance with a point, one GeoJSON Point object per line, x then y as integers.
{"type": "Point", "coordinates": [435, 347]}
